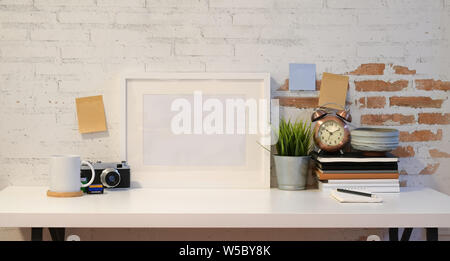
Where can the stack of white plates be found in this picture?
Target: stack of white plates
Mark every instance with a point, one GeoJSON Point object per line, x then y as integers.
{"type": "Point", "coordinates": [374, 139]}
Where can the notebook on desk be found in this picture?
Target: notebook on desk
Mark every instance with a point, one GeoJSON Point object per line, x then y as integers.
{"type": "Point", "coordinates": [350, 198]}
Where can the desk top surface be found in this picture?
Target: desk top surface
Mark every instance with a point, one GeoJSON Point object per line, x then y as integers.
{"type": "Point", "coordinates": [29, 206]}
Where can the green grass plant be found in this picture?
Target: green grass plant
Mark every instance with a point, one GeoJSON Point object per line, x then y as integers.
{"type": "Point", "coordinates": [294, 138]}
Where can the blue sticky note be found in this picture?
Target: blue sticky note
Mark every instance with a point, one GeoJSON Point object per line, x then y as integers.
{"type": "Point", "coordinates": [302, 77]}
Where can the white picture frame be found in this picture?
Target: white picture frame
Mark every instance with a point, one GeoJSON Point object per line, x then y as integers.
{"type": "Point", "coordinates": [251, 173]}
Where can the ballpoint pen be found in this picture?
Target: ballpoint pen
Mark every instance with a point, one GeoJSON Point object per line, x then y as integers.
{"type": "Point", "coordinates": [357, 193]}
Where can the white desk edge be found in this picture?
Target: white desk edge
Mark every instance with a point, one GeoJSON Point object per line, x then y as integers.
{"type": "Point", "coordinates": [172, 208]}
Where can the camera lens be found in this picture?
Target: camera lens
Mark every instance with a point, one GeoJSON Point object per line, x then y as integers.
{"type": "Point", "coordinates": [110, 177]}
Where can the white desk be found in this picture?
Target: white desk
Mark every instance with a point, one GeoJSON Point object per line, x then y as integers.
{"type": "Point", "coordinates": [30, 207]}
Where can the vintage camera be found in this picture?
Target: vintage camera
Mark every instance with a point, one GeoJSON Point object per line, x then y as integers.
{"type": "Point", "coordinates": [110, 175]}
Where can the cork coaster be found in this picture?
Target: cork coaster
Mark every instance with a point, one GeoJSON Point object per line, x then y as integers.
{"type": "Point", "coordinates": [64, 194]}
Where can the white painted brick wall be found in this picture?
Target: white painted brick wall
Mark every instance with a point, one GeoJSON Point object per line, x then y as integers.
{"type": "Point", "coordinates": [121, 3]}
{"type": "Point", "coordinates": [360, 4]}
{"type": "Point", "coordinates": [402, 4]}
{"type": "Point", "coordinates": [52, 51]}
{"type": "Point", "coordinates": [176, 4]}
{"type": "Point", "coordinates": [203, 49]}
{"type": "Point", "coordinates": [59, 35]}
{"type": "Point", "coordinates": [87, 17]}
{"type": "Point", "coordinates": [30, 17]}
{"type": "Point", "coordinates": [294, 4]}
{"type": "Point", "coordinates": [115, 51]}
{"type": "Point", "coordinates": [241, 4]}
{"type": "Point", "coordinates": [16, 2]}
{"type": "Point", "coordinates": [172, 19]}
{"type": "Point", "coordinates": [13, 35]}
{"type": "Point", "coordinates": [385, 51]}
{"type": "Point", "coordinates": [65, 3]}
{"type": "Point", "coordinates": [28, 50]}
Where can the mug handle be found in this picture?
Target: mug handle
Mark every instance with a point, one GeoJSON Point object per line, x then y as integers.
{"type": "Point", "coordinates": [93, 173]}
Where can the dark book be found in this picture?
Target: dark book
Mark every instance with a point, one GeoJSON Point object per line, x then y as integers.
{"type": "Point", "coordinates": [352, 157]}
{"type": "Point", "coordinates": [381, 166]}
{"type": "Point", "coordinates": [355, 171]}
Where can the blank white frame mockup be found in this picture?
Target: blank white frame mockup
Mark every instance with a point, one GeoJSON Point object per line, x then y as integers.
{"type": "Point", "coordinates": [217, 166]}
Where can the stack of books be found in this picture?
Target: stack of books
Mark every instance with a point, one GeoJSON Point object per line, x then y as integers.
{"type": "Point", "coordinates": [355, 171]}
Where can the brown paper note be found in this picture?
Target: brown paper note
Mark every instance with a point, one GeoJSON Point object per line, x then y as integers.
{"type": "Point", "coordinates": [333, 89]}
{"type": "Point", "coordinates": [91, 114]}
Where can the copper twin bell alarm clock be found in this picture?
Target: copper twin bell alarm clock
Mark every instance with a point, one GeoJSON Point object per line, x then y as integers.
{"type": "Point", "coordinates": [331, 132]}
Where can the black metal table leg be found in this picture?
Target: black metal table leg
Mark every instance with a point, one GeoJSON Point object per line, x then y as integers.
{"type": "Point", "coordinates": [57, 234]}
{"type": "Point", "coordinates": [36, 234]}
{"type": "Point", "coordinates": [393, 234]}
{"type": "Point", "coordinates": [406, 234]}
{"type": "Point", "coordinates": [432, 233]}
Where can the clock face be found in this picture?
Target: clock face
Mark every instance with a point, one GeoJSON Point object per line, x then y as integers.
{"type": "Point", "coordinates": [331, 133]}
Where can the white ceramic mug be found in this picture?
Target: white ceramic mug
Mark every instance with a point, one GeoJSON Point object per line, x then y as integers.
{"type": "Point", "coordinates": [65, 173]}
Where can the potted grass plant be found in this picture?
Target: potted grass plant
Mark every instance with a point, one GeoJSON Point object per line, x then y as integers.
{"type": "Point", "coordinates": [293, 154]}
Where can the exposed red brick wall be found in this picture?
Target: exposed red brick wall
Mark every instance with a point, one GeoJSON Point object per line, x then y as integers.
{"type": "Point", "coordinates": [415, 102]}
{"type": "Point", "coordinates": [285, 86]}
{"type": "Point", "coordinates": [361, 102]}
{"type": "Point", "coordinates": [299, 102]}
{"type": "Point", "coordinates": [430, 169]}
{"type": "Point", "coordinates": [430, 85]}
{"type": "Point", "coordinates": [434, 118]}
{"type": "Point", "coordinates": [403, 152]}
{"type": "Point", "coordinates": [372, 102]}
{"type": "Point", "coordinates": [420, 135]}
{"type": "Point", "coordinates": [380, 86]}
{"type": "Point", "coordinates": [387, 119]}
{"type": "Point", "coordinates": [318, 82]}
{"type": "Point", "coordinates": [434, 153]}
{"type": "Point", "coordinates": [403, 70]}
{"type": "Point", "coordinates": [398, 96]}
{"type": "Point", "coordinates": [376, 102]}
{"type": "Point", "coordinates": [369, 69]}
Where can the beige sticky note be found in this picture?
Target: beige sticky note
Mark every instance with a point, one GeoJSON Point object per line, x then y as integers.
{"type": "Point", "coordinates": [333, 90]}
{"type": "Point", "coordinates": [91, 114]}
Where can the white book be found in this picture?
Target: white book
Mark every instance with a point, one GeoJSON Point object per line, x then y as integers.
{"type": "Point", "coordinates": [363, 181]}
{"type": "Point", "coordinates": [371, 189]}
{"type": "Point", "coordinates": [359, 159]}
{"type": "Point", "coordinates": [325, 185]}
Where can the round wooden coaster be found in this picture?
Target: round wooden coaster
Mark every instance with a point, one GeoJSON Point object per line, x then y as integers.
{"type": "Point", "coordinates": [64, 194]}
